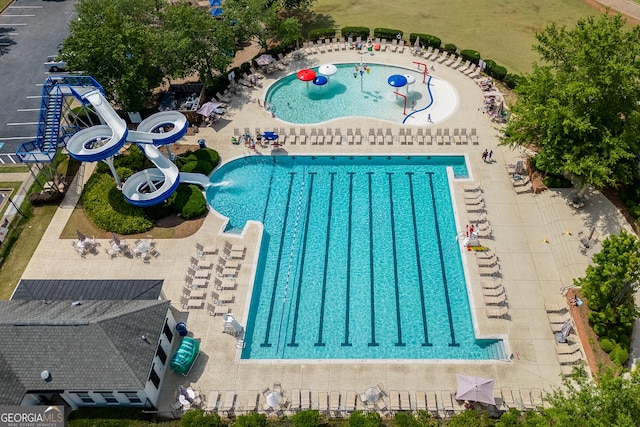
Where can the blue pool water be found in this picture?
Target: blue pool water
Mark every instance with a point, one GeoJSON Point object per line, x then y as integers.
{"type": "Point", "coordinates": [359, 258]}
{"type": "Point", "coordinates": [368, 95]}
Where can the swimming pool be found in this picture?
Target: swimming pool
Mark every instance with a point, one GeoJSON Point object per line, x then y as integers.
{"type": "Point", "coordinates": [359, 258]}
{"type": "Point", "coordinates": [350, 93]}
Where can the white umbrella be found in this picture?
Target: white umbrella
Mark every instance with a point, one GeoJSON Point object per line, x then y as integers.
{"type": "Point", "coordinates": [475, 389]}
{"type": "Point", "coordinates": [264, 59]}
{"type": "Point", "coordinates": [410, 79]}
{"type": "Point", "coordinates": [208, 108]}
{"type": "Point", "coordinates": [416, 45]}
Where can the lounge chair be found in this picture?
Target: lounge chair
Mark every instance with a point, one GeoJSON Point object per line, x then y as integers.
{"type": "Point", "coordinates": [489, 253]}
{"type": "Point", "coordinates": [447, 403]}
{"type": "Point", "coordinates": [489, 271]}
{"type": "Point", "coordinates": [420, 401]}
{"type": "Point", "coordinates": [487, 262]}
{"type": "Point", "coordinates": [485, 232]}
{"type": "Point", "coordinates": [463, 136]}
{"type": "Point", "coordinates": [204, 250]}
{"type": "Point", "coordinates": [401, 137]}
{"type": "Point", "coordinates": [558, 327]}
{"type": "Point", "coordinates": [222, 297]}
{"type": "Point", "coordinates": [464, 66]}
{"type": "Point", "coordinates": [198, 274]}
{"type": "Point", "coordinates": [474, 137]}
{"type": "Point", "coordinates": [222, 98]}
{"type": "Point", "coordinates": [328, 139]}
{"type": "Point", "coordinates": [386, 139]}
{"type": "Point", "coordinates": [337, 136]}
{"type": "Point", "coordinates": [478, 217]}
{"type": "Point", "coordinates": [334, 403]}
{"type": "Point", "coordinates": [521, 182]}
{"type": "Point", "coordinates": [443, 58]}
{"type": "Point", "coordinates": [420, 137]}
{"type": "Point", "coordinates": [313, 138]}
{"type": "Point", "coordinates": [401, 46]}
{"type": "Point", "coordinates": [372, 136]}
{"type": "Point", "coordinates": [350, 136]}
{"type": "Point", "coordinates": [323, 402]}
{"type": "Point", "coordinates": [394, 395]}
{"type": "Point", "coordinates": [536, 397]}
{"type": "Point", "coordinates": [497, 300]}
{"type": "Point", "coordinates": [570, 359]}
{"type": "Point", "coordinates": [493, 292]}
{"type": "Point", "coordinates": [485, 284]}
{"type": "Point", "coordinates": [305, 399]}
{"type": "Point", "coordinates": [428, 139]}
{"type": "Point", "coordinates": [524, 189]}
{"type": "Point", "coordinates": [446, 137]}
{"type": "Point", "coordinates": [472, 69]}
{"type": "Point", "coordinates": [292, 137]}
{"type": "Point", "coordinates": [555, 308]}
{"type": "Point", "coordinates": [302, 137]}
{"type": "Point", "coordinates": [199, 264]}
{"type": "Point", "coordinates": [507, 398]}
{"type": "Point", "coordinates": [439, 139]}
{"type": "Point", "coordinates": [408, 134]}
{"type": "Point", "coordinates": [567, 348]}
{"type": "Point", "coordinates": [475, 207]}
{"type": "Point", "coordinates": [558, 318]}
{"type": "Point", "coordinates": [473, 197]}
{"type": "Point", "coordinates": [358, 136]}
{"type": "Point", "coordinates": [497, 312]}
{"type": "Point", "coordinates": [405, 404]}
{"type": "Point", "coordinates": [470, 188]}
{"type": "Point", "coordinates": [456, 136]}
{"type": "Point", "coordinates": [432, 403]}
{"type": "Point", "coordinates": [349, 402]}
{"type": "Point", "coordinates": [320, 137]}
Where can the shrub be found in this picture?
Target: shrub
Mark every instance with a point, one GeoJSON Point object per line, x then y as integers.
{"type": "Point", "coordinates": [124, 172]}
{"type": "Point", "coordinates": [133, 159]}
{"type": "Point", "coordinates": [472, 56]}
{"type": "Point", "coordinates": [405, 419]}
{"type": "Point", "coordinates": [496, 71]}
{"type": "Point", "coordinates": [612, 334]}
{"type": "Point", "coordinates": [607, 344]}
{"type": "Point", "coordinates": [190, 202]}
{"type": "Point", "coordinates": [512, 80]}
{"type": "Point", "coordinates": [199, 418]}
{"type": "Point", "coordinates": [600, 329]}
{"type": "Point", "coordinates": [355, 32]}
{"type": "Point", "coordinates": [322, 33]}
{"type": "Point", "coordinates": [450, 47]}
{"type": "Point", "coordinates": [594, 317]}
{"type": "Point", "coordinates": [309, 418]}
{"type": "Point", "coordinates": [619, 355]}
{"type": "Point", "coordinates": [253, 420]}
{"type": "Point", "coordinates": [107, 208]}
{"type": "Point", "coordinates": [624, 341]}
{"type": "Point", "coordinates": [387, 33]}
{"type": "Point", "coordinates": [635, 212]}
{"type": "Point", "coordinates": [426, 40]}
{"type": "Point", "coordinates": [370, 419]}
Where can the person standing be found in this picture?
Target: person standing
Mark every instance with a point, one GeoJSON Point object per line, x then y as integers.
{"type": "Point", "coordinates": [485, 153]}
{"type": "Point", "coordinates": [491, 156]}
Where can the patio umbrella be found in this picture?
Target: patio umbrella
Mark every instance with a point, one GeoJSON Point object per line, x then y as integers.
{"type": "Point", "coordinates": [327, 69]}
{"type": "Point", "coordinates": [115, 238]}
{"type": "Point", "coordinates": [475, 389]}
{"type": "Point", "coordinates": [264, 59]}
{"type": "Point", "coordinates": [81, 236]}
{"type": "Point", "coordinates": [208, 108]}
{"type": "Point", "coordinates": [215, 2]}
{"type": "Point", "coordinates": [416, 45]}
{"type": "Point", "coordinates": [217, 11]}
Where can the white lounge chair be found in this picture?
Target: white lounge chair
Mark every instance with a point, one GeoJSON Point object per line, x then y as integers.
{"type": "Point", "coordinates": [489, 271]}
{"type": "Point", "coordinates": [497, 300]}
{"type": "Point", "coordinates": [570, 359]}
{"type": "Point", "coordinates": [497, 312]}
{"type": "Point", "coordinates": [567, 348]}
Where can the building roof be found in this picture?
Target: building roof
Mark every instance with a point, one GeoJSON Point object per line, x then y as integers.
{"type": "Point", "coordinates": [53, 290]}
{"type": "Point", "coordinates": [94, 345]}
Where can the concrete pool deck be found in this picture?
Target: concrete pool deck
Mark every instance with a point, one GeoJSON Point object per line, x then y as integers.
{"type": "Point", "coordinates": [535, 238]}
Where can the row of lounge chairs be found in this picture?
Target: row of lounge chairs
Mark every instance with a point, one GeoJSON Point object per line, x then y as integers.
{"type": "Point", "coordinates": [474, 201]}
{"type": "Point", "coordinates": [494, 295]}
{"type": "Point", "coordinates": [330, 136]}
{"type": "Point", "coordinates": [450, 60]}
{"type": "Point", "coordinates": [568, 351]}
{"type": "Point", "coordinates": [441, 404]}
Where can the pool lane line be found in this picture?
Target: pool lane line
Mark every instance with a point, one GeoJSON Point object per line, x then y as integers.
{"type": "Point", "coordinates": [425, 329]}
{"type": "Point", "coordinates": [442, 267]}
{"type": "Point", "coordinates": [395, 262]}
{"type": "Point", "coordinates": [266, 343]}
{"type": "Point", "coordinates": [266, 202]}
{"type": "Point", "coordinates": [422, 109]}
{"type": "Point", "coordinates": [303, 250]}
{"type": "Point", "coordinates": [347, 313]}
{"type": "Point", "coordinates": [373, 342]}
{"type": "Point", "coordinates": [320, 343]}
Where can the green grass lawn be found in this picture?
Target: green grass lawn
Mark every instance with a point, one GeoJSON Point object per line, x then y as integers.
{"type": "Point", "coordinates": [3, 3]}
{"type": "Point", "coordinates": [502, 30]}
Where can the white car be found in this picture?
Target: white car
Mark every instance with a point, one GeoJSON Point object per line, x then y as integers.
{"type": "Point", "coordinates": [54, 63]}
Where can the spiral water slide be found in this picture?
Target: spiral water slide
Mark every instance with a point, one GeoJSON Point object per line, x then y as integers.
{"type": "Point", "coordinates": [150, 186]}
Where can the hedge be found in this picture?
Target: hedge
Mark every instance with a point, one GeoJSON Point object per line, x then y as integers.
{"type": "Point", "coordinates": [607, 344]}
{"type": "Point", "coordinates": [600, 329]}
{"type": "Point", "coordinates": [355, 32]}
{"type": "Point", "coordinates": [472, 56]}
{"type": "Point", "coordinates": [619, 355]}
{"type": "Point", "coordinates": [310, 418]}
{"type": "Point", "coordinates": [426, 40]}
{"type": "Point", "coordinates": [496, 71]}
{"type": "Point", "coordinates": [189, 201]}
{"type": "Point", "coordinates": [387, 33]}
{"type": "Point", "coordinates": [322, 33]}
{"type": "Point", "coordinates": [450, 47]}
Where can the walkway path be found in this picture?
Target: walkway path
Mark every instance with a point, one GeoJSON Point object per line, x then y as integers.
{"type": "Point", "coordinates": [626, 7]}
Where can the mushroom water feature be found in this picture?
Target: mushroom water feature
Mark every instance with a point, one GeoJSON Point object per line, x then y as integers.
{"type": "Point", "coordinates": [327, 70]}
{"type": "Point", "coordinates": [397, 81]}
{"type": "Point", "coordinates": [306, 75]}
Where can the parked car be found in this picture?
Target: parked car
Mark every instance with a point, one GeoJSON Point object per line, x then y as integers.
{"type": "Point", "coordinates": [54, 63]}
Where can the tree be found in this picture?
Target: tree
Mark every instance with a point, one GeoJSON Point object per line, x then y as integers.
{"type": "Point", "coordinates": [612, 401]}
{"type": "Point", "coordinates": [191, 41]}
{"type": "Point", "coordinates": [613, 278]}
{"type": "Point", "coordinates": [113, 41]}
{"type": "Point", "coordinates": [580, 107]}
{"type": "Point", "coordinates": [265, 20]}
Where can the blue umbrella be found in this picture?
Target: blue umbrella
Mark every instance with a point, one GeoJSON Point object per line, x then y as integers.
{"type": "Point", "coordinates": [320, 80]}
{"type": "Point", "coordinates": [217, 11]}
{"type": "Point", "coordinates": [397, 80]}
{"type": "Point", "coordinates": [215, 2]}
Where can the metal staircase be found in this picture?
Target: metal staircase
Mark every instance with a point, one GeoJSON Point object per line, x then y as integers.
{"type": "Point", "coordinates": [59, 96]}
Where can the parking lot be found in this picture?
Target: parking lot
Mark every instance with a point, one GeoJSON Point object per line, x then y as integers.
{"type": "Point", "coordinates": [30, 30]}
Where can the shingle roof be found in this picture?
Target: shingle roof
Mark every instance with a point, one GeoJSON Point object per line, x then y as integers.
{"type": "Point", "coordinates": [96, 345]}
{"type": "Point", "coordinates": [53, 290]}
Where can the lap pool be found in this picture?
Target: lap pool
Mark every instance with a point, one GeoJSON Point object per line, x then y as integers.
{"type": "Point", "coordinates": [359, 257]}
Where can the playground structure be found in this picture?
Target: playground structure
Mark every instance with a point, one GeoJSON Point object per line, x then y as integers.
{"type": "Point", "coordinates": [65, 99]}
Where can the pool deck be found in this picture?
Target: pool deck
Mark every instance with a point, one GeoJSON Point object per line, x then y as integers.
{"type": "Point", "coordinates": [535, 238]}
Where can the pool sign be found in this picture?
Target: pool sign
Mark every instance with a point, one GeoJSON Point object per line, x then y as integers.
{"type": "Point", "coordinates": [32, 416]}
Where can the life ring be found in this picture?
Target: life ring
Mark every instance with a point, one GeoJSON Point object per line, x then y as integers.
{"type": "Point", "coordinates": [399, 36]}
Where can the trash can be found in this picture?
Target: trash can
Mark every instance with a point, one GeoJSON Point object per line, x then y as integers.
{"type": "Point", "coordinates": [181, 327]}
{"type": "Point", "coordinates": [202, 143]}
